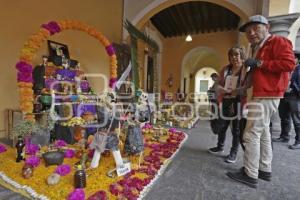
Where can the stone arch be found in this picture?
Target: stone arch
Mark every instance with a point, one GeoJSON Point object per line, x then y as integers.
{"type": "Point", "coordinates": [191, 63]}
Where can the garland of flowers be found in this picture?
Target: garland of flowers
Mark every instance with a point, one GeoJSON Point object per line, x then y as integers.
{"type": "Point", "coordinates": [31, 46]}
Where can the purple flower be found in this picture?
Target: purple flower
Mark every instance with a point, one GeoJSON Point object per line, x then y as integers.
{"type": "Point", "coordinates": [112, 82]}
{"type": "Point", "coordinates": [24, 77]}
{"type": "Point", "coordinates": [31, 149]}
{"type": "Point", "coordinates": [172, 130]}
{"type": "Point", "coordinates": [77, 194]}
{"type": "Point", "coordinates": [2, 148]}
{"type": "Point", "coordinates": [113, 188]}
{"type": "Point", "coordinates": [34, 161]}
{"type": "Point", "coordinates": [24, 67]}
{"type": "Point", "coordinates": [60, 143]}
{"type": "Point", "coordinates": [100, 195]}
{"type": "Point", "coordinates": [52, 27]}
{"type": "Point", "coordinates": [147, 126]}
{"type": "Point", "coordinates": [63, 170]}
{"type": "Point", "coordinates": [69, 153]}
{"type": "Point", "coordinates": [110, 50]}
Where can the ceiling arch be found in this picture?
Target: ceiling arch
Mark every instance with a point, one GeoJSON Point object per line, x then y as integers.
{"type": "Point", "coordinates": [156, 6]}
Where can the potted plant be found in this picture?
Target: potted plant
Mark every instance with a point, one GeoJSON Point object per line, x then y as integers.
{"type": "Point", "coordinates": [23, 129]}
{"type": "Point", "coordinates": [41, 131]}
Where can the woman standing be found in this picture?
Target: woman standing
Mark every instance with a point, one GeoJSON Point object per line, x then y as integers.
{"type": "Point", "coordinates": [232, 85]}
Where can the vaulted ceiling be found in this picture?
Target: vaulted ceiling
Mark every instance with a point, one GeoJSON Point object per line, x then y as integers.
{"type": "Point", "coordinates": [194, 17]}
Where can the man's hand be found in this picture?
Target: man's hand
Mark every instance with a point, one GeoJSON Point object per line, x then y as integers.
{"type": "Point", "coordinates": [252, 63]}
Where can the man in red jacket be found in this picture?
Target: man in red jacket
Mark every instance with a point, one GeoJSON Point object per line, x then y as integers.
{"type": "Point", "coordinates": [271, 60]}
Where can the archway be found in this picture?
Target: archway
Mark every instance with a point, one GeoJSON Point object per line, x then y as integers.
{"type": "Point", "coordinates": [193, 61]}
{"type": "Point", "coordinates": [203, 82]}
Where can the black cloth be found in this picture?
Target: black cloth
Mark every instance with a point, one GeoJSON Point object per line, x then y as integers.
{"type": "Point", "coordinates": [38, 78]}
{"type": "Point", "coordinates": [64, 133]}
{"type": "Point", "coordinates": [289, 107]}
{"type": "Point", "coordinates": [230, 114]}
{"type": "Point", "coordinates": [289, 110]}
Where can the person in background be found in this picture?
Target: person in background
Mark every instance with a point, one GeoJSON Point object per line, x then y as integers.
{"type": "Point", "coordinates": [289, 108]}
{"type": "Point", "coordinates": [271, 59]}
{"type": "Point", "coordinates": [230, 102]}
{"type": "Point", "coordinates": [212, 91]}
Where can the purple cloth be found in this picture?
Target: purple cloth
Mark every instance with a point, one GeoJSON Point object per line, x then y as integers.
{"type": "Point", "coordinates": [50, 81]}
{"type": "Point", "coordinates": [52, 27]}
{"type": "Point", "coordinates": [85, 86]}
{"type": "Point", "coordinates": [66, 73]}
{"type": "Point", "coordinates": [85, 108]}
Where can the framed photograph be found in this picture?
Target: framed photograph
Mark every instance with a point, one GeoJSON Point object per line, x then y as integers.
{"type": "Point", "coordinates": [58, 49]}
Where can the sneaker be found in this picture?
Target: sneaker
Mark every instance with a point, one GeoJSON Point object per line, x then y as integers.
{"type": "Point", "coordinates": [231, 158]}
{"type": "Point", "coordinates": [266, 176]}
{"type": "Point", "coordinates": [295, 146]}
{"type": "Point", "coordinates": [242, 177]}
{"type": "Point", "coordinates": [216, 150]}
{"type": "Point", "coordinates": [280, 139]}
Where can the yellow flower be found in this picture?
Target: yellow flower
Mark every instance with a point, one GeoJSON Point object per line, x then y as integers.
{"type": "Point", "coordinates": [25, 84]}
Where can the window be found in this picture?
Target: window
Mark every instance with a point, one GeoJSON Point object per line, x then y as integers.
{"type": "Point", "coordinates": [203, 86]}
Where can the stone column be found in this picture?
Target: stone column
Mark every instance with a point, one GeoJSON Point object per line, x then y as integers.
{"type": "Point", "coordinates": [281, 24]}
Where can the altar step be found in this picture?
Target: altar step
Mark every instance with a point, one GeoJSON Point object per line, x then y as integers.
{"type": "Point", "coordinates": [10, 195]}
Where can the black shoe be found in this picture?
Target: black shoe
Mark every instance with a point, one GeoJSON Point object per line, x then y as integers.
{"type": "Point", "coordinates": [266, 176]}
{"type": "Point", "coordinates": [231, 158]}
{"type": "Point", "coordinates": [242, 177]}
{"type": "Point", "coordinates": [295, 146]}
{"type": "Point", "coordinates": [280, 139]}
{"type": "Point", "coordinates": [216, 150]}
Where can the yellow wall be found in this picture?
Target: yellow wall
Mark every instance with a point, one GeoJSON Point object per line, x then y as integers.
{"type": "Point", "coordinates": [19, 19]}
{"type": "Point", "coordinates": [278, 7]}
{"type": "Point", "coordinates": [176, 48]}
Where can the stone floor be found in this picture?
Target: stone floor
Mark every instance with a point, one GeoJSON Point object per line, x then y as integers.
{"type": "Point", "coordinates": [194, 174]}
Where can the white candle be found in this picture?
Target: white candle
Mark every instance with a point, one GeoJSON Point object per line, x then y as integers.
{"type": "Point", "coordinates": [96, 159]}
{"type": "Point", "coordinates": [118, 158]}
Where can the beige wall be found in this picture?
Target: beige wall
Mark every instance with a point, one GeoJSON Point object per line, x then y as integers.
{"type": "Point", "coordinates": [20, 19]}
{"type": "Point", "coordinates": [176, 48]}
{"type": "Point", "coordinates": [278, 7]}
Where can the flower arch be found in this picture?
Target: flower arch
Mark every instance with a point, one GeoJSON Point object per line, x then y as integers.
{"type": "Point", "coordinates": [24, 65]}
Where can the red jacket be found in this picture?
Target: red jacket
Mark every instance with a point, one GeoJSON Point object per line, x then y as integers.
{"type": "Point", "coordinates": [272, 77]}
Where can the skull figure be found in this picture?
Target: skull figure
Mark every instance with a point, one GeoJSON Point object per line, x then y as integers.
{"type": "Point", "coordinates": [27, 171]}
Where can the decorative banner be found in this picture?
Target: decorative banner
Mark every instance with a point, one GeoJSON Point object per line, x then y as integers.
{"type": "Point", "coordinates": [124, 76]}
{"type": "Point", "coordinates": [31, 46]}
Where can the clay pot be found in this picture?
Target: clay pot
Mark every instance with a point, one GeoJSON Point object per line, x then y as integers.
{"type": "Point", "coordinates": [79, 154]}
{"type": "Point", "coordinates": [53, 158]}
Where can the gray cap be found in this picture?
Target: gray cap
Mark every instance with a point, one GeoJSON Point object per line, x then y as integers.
{"type": "Point", "coordinates": [255, 19]}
